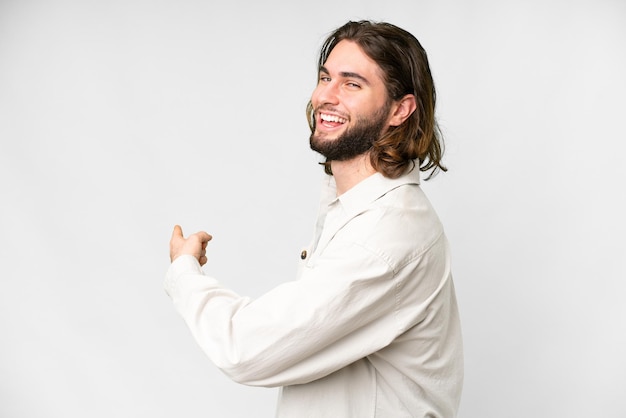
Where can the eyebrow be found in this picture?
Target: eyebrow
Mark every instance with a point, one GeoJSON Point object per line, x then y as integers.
{"type": "Point", "coordinates": [347, 74]}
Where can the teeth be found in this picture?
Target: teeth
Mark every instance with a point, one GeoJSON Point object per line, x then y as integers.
{"type": "Point", "coordinates": [332, 118]}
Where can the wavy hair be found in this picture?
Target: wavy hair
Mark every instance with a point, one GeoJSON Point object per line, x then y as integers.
{"type": "Point", "coordinates": [405, 69]}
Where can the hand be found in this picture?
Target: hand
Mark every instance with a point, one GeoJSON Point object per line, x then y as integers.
{"type": "Point", "coordinates": [194, 244]}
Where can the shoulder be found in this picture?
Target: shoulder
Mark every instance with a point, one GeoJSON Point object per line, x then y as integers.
{"type": "Point", "coordinates": [399, 226]}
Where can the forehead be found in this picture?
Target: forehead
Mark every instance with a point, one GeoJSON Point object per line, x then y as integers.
{"type": "Point", "coordinates": [349, 57]}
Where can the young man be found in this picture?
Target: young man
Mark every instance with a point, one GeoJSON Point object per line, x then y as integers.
{"type": "Point", "coordinates": [371, 327]}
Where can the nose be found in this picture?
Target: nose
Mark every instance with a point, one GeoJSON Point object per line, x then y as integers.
{"type": "Point", "coordinates": [326, 93]}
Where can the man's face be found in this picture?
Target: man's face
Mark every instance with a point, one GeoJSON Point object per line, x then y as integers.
{"type": "Point", "coordinates": [351, 109]}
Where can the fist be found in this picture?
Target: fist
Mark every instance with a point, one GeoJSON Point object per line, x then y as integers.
{"type": "Point", "coordinates": [194, 244]}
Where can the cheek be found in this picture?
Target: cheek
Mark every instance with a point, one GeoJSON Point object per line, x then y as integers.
{"type": "Point", "coordinates": [315, 97]}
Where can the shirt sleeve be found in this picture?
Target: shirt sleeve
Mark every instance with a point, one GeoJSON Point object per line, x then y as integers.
{"type": "Point", "coordinates": [344, 307]}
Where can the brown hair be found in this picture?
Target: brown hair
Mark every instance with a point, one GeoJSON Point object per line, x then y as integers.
{"type": "Point", "coordinates": [405, 69]}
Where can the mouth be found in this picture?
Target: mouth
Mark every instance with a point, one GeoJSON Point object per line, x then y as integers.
{"type": "Point", "coordinates": [331, 121]}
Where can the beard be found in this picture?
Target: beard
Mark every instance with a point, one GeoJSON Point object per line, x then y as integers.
{"type": "Point", "coordinates": [355, 141]}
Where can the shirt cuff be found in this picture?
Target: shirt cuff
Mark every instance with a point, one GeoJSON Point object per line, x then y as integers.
{"type": "Point", "coordinates": [184, 264]}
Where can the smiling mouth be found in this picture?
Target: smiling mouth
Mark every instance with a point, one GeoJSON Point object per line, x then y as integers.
{"type": "Point", "coordinates": [332, 120]}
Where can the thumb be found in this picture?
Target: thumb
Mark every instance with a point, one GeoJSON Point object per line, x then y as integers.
{"type": "Point", "coordinates": [178, 232]}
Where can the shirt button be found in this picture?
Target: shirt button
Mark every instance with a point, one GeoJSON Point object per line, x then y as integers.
{"type": "Point", "coordinates": [303, 254]}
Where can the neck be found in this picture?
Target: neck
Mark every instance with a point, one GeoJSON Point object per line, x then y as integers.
{"type": "Point", "coordinates": [351, 172]}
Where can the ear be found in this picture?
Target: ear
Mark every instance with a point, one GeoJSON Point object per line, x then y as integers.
{"type": "Point", "coordinates": [402, 109]}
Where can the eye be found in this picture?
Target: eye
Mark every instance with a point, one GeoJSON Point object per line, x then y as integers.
{"type": "Point", "coordinates": [324, 78]}
{"type": "Point", "coordinates": [353, 85]}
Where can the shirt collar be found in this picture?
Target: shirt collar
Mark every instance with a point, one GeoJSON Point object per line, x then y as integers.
{"type": "Point", "coordinates": [368, 190]}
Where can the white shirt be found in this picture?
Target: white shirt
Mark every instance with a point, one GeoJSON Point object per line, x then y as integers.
{"type": "Point", "coordinates": [369, 329]}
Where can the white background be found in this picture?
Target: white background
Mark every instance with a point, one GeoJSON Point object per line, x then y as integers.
{"type": "Point", "coordinates": [119, 119]}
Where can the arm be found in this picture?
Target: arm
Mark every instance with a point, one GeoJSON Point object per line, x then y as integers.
{"type": "Point", "coordinates": [342, 309]}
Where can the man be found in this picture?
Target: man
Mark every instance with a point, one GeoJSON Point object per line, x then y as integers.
{"type": "Point", "coordinates": [371, 327]}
